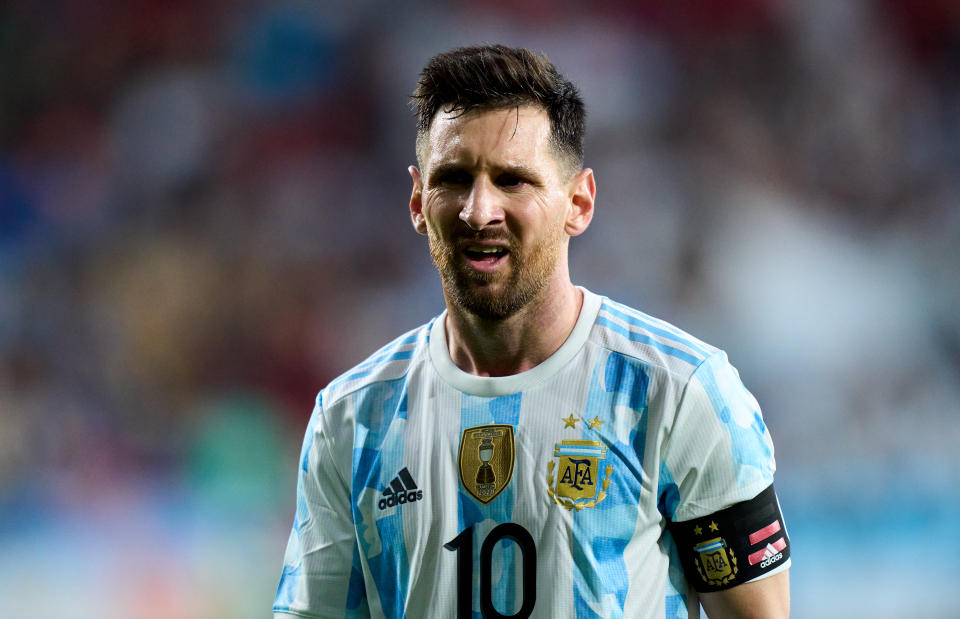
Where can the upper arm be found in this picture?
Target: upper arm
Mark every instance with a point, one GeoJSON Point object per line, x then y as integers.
{"type": "Point", "coordinates": [767, 598]}
{"type": "Point", "coordinates": [322, 575]}
{"type": "Point", "coordinates": [719, 451]}
{"type": "Point", "coordinates": [724, 514]}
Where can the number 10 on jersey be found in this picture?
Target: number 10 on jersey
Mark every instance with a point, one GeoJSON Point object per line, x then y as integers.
{"type": "Point", "coordinates": [463, 545]}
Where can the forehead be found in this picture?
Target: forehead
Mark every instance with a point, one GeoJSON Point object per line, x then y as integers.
{"type": "Point", "coordinates": [503, 136]}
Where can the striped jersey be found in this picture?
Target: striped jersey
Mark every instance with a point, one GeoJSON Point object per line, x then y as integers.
{"type": "Point", "coordinates": [425, 491]}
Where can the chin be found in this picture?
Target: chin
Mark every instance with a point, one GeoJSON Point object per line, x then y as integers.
{"type": "Point", "coordinates": [491, 302]}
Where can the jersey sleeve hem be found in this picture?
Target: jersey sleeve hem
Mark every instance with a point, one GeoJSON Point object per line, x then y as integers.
{"type": "Point", "coordinates": [280, 613]}
{"type": "Point", "coordinates": [773, 572]}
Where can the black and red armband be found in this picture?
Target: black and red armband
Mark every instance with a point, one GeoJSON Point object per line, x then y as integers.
{"type": "Point", "coordinates": [734, 545]}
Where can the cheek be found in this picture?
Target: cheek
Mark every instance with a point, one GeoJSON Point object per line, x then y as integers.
{"type": "Point", "coordinates": [437, 224]}
{"type": "Point", "coordinates": [547, 214]}
{"type": "Point", "coordinates": [439, 211]}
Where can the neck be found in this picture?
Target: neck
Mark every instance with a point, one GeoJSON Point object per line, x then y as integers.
{"type": "Point", "coordinates": [518, 343]}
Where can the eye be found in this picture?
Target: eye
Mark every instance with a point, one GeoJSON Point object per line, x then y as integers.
{"type": "Point", "coordinates": [510, 180]}
{"type": "Point", "coordinates": [456, 178]}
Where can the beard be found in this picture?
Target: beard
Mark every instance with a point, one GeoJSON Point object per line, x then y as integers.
{"type": "Point", "coordinates": [496, 296]}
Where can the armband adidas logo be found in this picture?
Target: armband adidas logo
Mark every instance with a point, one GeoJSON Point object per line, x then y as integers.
{"type": "Point", "coordinates": [772, 552]}
{"type": "Point", "coordinates": [402, 489]}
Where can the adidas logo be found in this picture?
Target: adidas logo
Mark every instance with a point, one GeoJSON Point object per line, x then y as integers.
{"type": "Point", "coordinates": [402, 490]}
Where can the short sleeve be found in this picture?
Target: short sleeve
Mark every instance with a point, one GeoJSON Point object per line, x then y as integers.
{"type": "Point", "coordinates": [322, 576]}
{"type": "Point", "coordinates": [718, 451]}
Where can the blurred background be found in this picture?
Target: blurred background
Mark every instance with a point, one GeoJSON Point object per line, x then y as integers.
{"type": "Point", "coordinates": [203, 219]}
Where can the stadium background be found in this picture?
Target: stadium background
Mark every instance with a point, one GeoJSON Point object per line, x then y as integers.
{"type": "Point", "coordinates": [203, 219]}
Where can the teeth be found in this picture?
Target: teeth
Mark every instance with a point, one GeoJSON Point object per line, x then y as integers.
{"type": "Point", "coordinates": [485, 250]}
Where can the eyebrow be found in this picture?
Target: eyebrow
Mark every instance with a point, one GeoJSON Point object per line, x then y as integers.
{"type": "Point", "coordinates": [521, 170]}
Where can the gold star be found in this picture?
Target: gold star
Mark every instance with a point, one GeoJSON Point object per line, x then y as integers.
{"type": "Point", "coordinates": [713, 525]}
{"type": "Point", "coordinates": [570, 422]}
{"type": "Point", "coordinates": [697, 530]}
{"type": "Point", "coordinates": [595, 422]}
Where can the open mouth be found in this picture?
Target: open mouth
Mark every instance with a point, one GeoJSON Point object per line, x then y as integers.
{"type": "Point", "coordinates": [485, 257]}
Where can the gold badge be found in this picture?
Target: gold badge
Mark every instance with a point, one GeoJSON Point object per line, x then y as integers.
{"type": "Point", "coordinates": [576, 484]}
{"type": "Point", "coordinates": [717, 564]}
{"type": "Point", "coordinates": [486, 460]}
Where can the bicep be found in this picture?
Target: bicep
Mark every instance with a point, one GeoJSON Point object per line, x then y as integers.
{"type": "Point", "coordinates": [764, 598]}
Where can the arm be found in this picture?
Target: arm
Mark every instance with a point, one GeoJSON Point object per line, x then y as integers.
{"type": "Point", "coordinates": [765, 598]}
{"type": "Point", "coordinates": [322, 575]}
{"type": "Point", "coordinates": [730, 534]}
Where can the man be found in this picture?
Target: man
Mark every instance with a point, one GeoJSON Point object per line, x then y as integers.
{"type": "Point", "coordinates": [536, 450]}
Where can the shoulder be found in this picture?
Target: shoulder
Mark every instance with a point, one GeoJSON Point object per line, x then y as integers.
{"type": "Point", "coordinates": [391, 362]}
{"type": "Point", "coordinates": [650, 341]}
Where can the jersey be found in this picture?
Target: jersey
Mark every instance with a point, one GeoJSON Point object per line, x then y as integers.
{"type": "Point", "coordinates": [426, 491]}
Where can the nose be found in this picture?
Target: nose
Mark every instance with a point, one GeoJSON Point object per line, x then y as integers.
{"type": "Point", "coordinates": [482, 207]}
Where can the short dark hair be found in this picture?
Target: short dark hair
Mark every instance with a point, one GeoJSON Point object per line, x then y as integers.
{"type": "Point", "coordinates": [493, 77]}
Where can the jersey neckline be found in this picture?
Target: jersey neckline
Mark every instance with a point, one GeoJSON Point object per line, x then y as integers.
{"type": "Point", "coordinates": [493, 386]}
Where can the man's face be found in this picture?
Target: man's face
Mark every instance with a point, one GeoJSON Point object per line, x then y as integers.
{"type": "Point", "coordinates": [494, 202]}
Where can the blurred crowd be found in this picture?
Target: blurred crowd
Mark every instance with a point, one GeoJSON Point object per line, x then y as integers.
{"type": "Point", "coordinates": [203, 220]}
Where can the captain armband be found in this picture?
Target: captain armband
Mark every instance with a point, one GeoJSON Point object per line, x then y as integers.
{"type": "Point", "coordinates": [733, 546]}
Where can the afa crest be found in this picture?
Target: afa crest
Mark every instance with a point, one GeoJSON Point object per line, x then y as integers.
{"type": "Point", "coordinates": [486, 460]}
{"type": "Point", "coordinates": [573, 480]}
{"type": "Point", "coordinates": [716, 562]}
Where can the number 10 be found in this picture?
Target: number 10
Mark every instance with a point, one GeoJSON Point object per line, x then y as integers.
{"type": "Point", "coordinates": [463, 545]}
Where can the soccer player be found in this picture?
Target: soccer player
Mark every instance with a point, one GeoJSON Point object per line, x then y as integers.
{"type": "Point", "coordinates": [536, 450]}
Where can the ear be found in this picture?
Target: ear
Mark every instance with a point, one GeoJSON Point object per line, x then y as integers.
{"type": "Point", "coordinates": [583, 189]}
{"type": "Point", "coordinates": [416, 201]}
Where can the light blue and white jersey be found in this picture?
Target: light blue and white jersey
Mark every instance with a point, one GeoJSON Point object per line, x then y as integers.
{"type": "Point", "coordinates": [425, 491]}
